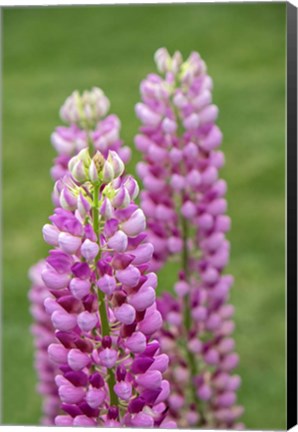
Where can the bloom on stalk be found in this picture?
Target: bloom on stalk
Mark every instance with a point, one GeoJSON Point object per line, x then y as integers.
{"type": "Point", "coordinates": [88, 126]}
{"type": "Point", "coordinates": [184, 202]}
{"type": "Point", "coordinates": [103, 304]}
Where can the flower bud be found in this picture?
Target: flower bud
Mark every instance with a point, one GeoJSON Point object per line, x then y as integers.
{"type": "Point", "coordinates": [92, 171]}
{"type": "Point", "coordinates": [132, 187]}
{"type": "Point", "coordinates": [192, 122]}
{"type": "Point", "coordinates": [71, 394]}
{"type": "Point", "coordinates": [83, 155]}
{"type": "Point", "coordinates": [188, 210]}
{"type": "Point", "coordinates": [54, 280]}
{"type": "Point", "coordinates": [118, 241]}
{"type": "Point", "coordinates": [79, 287]}
{"type": "Point", "coordinates": [169, 126]}
{"type": "Point", "coordinates": [87, 321]}
{"type": "Point", "coordinates": [226, 345]}
{"type": "Point", "coordinates": [63, 420]}
{"type": "Point", "coordinates": [165, 391]}
{"type": "Point", "coordinates": [177, 182]}
{"type": "Point", "coordinates": [51, 305]}
{"type": "Point", "coordinates": [141, 300]}
{"type": "Point", "coordinates": [211, 357]}
{"type": "Point", "coordinates": [77, 360]}
{"type": "Point", "coordinates": [108, 357]}
{"type": "Point", "coordinates": [136, 343]}
{"type": "Point", "coordinates": [146, 115]}
{"type": "Point", "coordinates": [150, 380]}
{"type": "Point", "coordinates": [176, 155]}
{"type": "Point", "coordinates": [142, 420]}
{"type": "Point", "coordinates": [96, 380]}
{"type": "Point", "coordinates": [95, 397]}
{"type": "Point", "coordinates": [222, 223]}
{"type": "Point", "coordinates": [162, 59]}
{"type": "Point", "coordinates": [108, 172]}
{"type": "Point", "coordinates": [78, 172]}
{"type": "Point", "coordinates": [176, 402]}
{"type": "Point", "coordinates": [209, 114]}
{"type": "Point", "coordinates": [57, 353]}
{"type": "Point", "coordinates": [63, 321]}
{"type": "Point", "coordinates": [106, 209]}
{"type": "Point", "coordinates": [123, 390]}
{"type": "Point", "coordinates": [181, 288]}
{"type": "Point", "coordinates": [67, 199]}
{"type": "Point", "coordinates": [233, 383]}
{"type": "Point", "coordinates": [107, 284]}
{"type": "Point", "coordinates": [126, 314]}
{"type": "Point", "coordinates": [199, 313]}
{"type": "Point", "coordinates": [226, 399]}
{"type": "Point", "coordinates": [135, 224]}
{"type": "Point", "coordinates": [204, 392]}
{"type": "Point", "coordinates": [83, 420]}
{"type": "Point", "coordinates": [50, 234]}
{"type": "Point", "coordinates": [142, 254]}
{"type": "Point", "coordinates": [89, 250]}
{"type": "Point", "coordinates": [193, 179]}
{"type": "Point", "coordinates": [212, 140]}
{"type": "Point", "coordinates": [116, 162]}
{"type": "Point", "coordinates": [191, 151]}
{"type": "Point", "coordinates": [83, 206]}
{"type": "Point", "coordinates": [69, 243]}
{"type": "Point", "coordinates": [161, 363]}
{"type": "Point", "coordinates": [151, 322]}
{"type": "Point", "coordinates": [129, 276]}
{"type": "Point", "coordinates": [122, 198]}
{"type": "Point", "coordinates": [230, 362]}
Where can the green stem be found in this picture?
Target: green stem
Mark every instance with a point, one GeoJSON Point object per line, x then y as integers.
{"type": "Point", "coordinates": [105, 328]}
{"type": "Point", "coordinates": [95, 208]}
{"type": "Point", "coordinates": [111, 383]}
{"type": "Point", "coordinates": [187, 317]}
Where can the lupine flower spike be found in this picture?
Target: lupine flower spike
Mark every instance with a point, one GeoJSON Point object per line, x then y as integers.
{"type": "Point", "coordinates": [89, 126]}
{"type": "Point", "coordinates": [102, 302]}
{"type": "Point", "coordinates": [43, 331]}
{"type": "Point", "coordinates": [184, 202]}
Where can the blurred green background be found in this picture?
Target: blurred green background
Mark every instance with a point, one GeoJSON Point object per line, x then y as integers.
{"type": "Point", "coordinates": [49, 52]}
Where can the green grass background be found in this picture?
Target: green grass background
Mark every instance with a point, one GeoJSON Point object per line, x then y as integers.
{"type": "Point", "coordinates": [49, 52]}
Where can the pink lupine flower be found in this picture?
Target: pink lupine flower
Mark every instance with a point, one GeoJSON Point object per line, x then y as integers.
{"type": "Point", "coordinates": [43, 333]}
{"type": "Point", "coordinates": [90, 128]}
{"type": "Point", "coordinates": [184, 202]}
{"type": "Point", "coordinates": [102, 303]}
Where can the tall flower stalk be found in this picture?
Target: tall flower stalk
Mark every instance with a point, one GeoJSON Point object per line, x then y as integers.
{"type": "Point", "coordinates": [43, 332]}
{"type": "Point", "coordinates": [184, 202]}
{"type": "Point", "coordinates": [89, 126]}
{"type": "Point", "coordinates": [102, 302]}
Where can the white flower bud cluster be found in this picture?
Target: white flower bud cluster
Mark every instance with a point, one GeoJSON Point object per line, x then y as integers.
{"type": "Point", "coordinates": [85, 110]}
{"type": "Point", "coordinates": [83, 168]}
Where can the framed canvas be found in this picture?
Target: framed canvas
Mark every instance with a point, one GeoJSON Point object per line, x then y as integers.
{"type": "Point", "coordinates": [149, 160]}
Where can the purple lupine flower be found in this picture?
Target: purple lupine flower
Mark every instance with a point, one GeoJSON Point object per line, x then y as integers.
{"type": "Point", "coordinates": [90, 128]}
{"type": "Point", "coordinates": [43, 333]}
{"type": "Point", "coordinates": [102, 303]}
{"type": "Point", "coordinates": [184, 202]}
